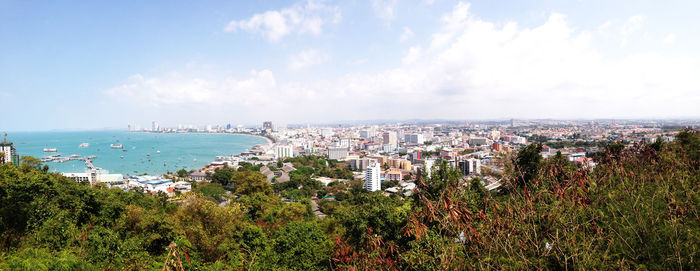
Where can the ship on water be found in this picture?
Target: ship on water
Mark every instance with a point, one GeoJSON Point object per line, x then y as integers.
{"type": "Point", "coordinates": [116, 146]}
{"type": "Point", "coordinates": [50, 150]}
{"type": "Point", "coordinates": [84, 145]}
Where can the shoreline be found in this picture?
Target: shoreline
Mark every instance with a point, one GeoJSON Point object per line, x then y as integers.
{"type": "Point", "coordinates": [151, 169]}
{"type": "Point", "coordinates": [269, 141]}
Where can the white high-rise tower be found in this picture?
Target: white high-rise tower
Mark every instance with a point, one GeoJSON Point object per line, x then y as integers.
{"type": "Point", "coordinates": [372, 181]}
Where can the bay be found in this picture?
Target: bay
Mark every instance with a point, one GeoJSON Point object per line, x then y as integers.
{"type": "Point", "coordinates": [146, 153]}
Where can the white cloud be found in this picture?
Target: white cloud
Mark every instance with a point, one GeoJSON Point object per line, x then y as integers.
{"type": "Point", "coordinates": [178, 89]}
{"type": "Point", "coordinates": [385, 9]}
{"type": "Point", "coordinates": [412, 56]}
{"type": "Point", "coordinates": [469, 69]}
{"type": "Point", "coordinates": [359, 61]}
{"type": "Point", "coordinates": [306, 58]}
{"type": "Point", "coordinates": [276, 24]}
{"type": "Point", "coordinates": [670, 38]}
{"type": "Point", "coordinates": [605, 27]}
{"type": "Point", "coordinates": [633, 25]}
{"type": "Point", "coordinates": [406, 34]}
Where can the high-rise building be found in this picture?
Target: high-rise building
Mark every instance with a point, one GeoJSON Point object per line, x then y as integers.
{"type": "Point", "coordinates": [391, 139]}
{"type": "Point", "coordinates": [416, 155]}
{"type": "Point", "coordinates": [372, 181]}
{"type": "Point", "coordinates": [337, 153]}
{"type": "Point", "coordinates": [414, 139]}
{"type": "Point", "coordinates": [155, 127]}
{"type": "Point", "coordinates": [267, 127]}
{"type": "Point", "coordinates": [368, 133]}
{"type": "Point", "coordinates": [284, 151]}
{"type": "Point", "coordinates": [470, 166]}
{"type": "Point", "coordinates": [428, 165]}
{"type": "Point", "coordinates": [8, 154]}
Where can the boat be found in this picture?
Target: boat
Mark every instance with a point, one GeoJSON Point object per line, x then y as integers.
{"type": "Point", "coordinates": [50, 150]}
{"type": "Point", "coordinates": [122, 157]}
{"type": "Point", "coordinates": [84, 145]}
{"type": "Point", "coordinates": [74, 156]}
{"type": "Point", "coordinates": [124, 150]}
{"type": "Point", "coordinates": [158, 151]}
{"type": "Point", "coordinates": [116, 146]}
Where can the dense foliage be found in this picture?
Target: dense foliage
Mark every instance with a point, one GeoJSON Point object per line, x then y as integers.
{"type": "Point", "coordinates": [637, 209]}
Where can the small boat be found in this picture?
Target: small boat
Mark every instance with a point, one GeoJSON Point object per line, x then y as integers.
{"type": "Point", "coordinates": [124, 150]}
{"type": "Point", "coordinates": [74, 156]}
{"type": "Point", "coordinates": [122, 157]}
{"type": "Point", "coordinates": [50, 150]}
{"type": "Point", "coordinates": [84, 145]}
{"type": "Point", "coordinates": [158, 151]}
{"type": "Point", "coordinates": [116, 146]}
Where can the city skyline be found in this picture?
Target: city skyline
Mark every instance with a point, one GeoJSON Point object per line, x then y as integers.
{"type": "Point", "coordinates": [96, 66]}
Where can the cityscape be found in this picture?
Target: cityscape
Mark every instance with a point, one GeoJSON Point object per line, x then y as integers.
{"type": "Point", "coordinates": [391, 152]}
{"type": "Point", "coordinates": [350, 135]}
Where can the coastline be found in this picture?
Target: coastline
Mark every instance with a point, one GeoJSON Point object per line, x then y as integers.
{"type": "Point", "coordinates": [269, 141]}
{"type": "Point", "coordinates": [136, 161]}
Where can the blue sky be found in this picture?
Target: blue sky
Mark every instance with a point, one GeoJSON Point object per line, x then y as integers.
{"type": "Point", "coordinates": [93, 65]}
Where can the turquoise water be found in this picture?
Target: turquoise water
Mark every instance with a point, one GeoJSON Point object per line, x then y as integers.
{"type": "Point", "coordinates": [177, 151]}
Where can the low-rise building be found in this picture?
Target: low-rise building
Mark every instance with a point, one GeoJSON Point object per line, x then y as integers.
{"type": "Point", "coordinates": [199, 176]}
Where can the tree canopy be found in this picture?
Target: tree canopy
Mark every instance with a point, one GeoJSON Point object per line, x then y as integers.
{"type": "Point", "coordinates": [637, 209]}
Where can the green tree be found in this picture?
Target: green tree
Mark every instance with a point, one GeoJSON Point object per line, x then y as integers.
{"type": "Point", "coordinates": [302, 246]}
{"type": "Point", "coordinates": [223, 176]}
{"type": "Point", "coordinates": [249, 182]}
{"type": "Point", "coordinates": [182, 173]}
{"type": "Point", "coordinates": [527, 163]}
{"type": "Point", "coordinates": [30, 163]}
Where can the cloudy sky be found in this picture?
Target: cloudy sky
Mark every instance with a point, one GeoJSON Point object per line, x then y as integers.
{"type": "Point", "coordinates": [98, 64]}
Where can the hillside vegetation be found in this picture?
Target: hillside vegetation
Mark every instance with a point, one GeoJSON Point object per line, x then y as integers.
{"type": "Point", "coordinates": [637, 209]}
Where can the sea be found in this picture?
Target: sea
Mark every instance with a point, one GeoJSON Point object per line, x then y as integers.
{"type": "Point", "coordinates": [142, 153]}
